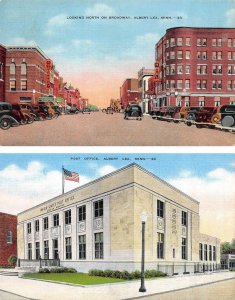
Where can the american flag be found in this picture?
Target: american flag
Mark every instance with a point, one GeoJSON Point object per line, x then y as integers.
{"type": "Point", "coordinates": [73, 176]}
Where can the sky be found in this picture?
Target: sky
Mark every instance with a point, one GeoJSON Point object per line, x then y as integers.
{"type": "Point", "coordinates": [28, 179]}
{"type": "Point", "coordinates": [97, 54]}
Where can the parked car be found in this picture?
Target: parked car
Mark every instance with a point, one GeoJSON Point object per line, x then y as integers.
{"type": "Point", "coordinates": [205, 114]}
{"type": "Point", "coordinates": [109, 110]}
{"type": "Point", "coordinates": [192, 112]}
{"type": "Point", "coordinates": [133, 111]}
{"type": "Point", "coordinates": [172, 111]}
{"type": "Point", "coordinates": [6, 117]}
{"type": "Point", "coordinates": [72, 110]}
{"type": "Point", "coordinates": [184, 112]}
{"type": "Point", "coordinates": [86, 111]}
{"type": "Point", "coordinates": [51, 111]}
{"type": "Point", "coordinates": [227, 115]}
{"type": "Point", "coordinates": [29, 108]}
{"type": "Point", "coordinates": [20, 115]}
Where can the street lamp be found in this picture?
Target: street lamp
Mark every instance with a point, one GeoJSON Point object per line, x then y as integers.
{"type": "Point", "coordinates": [143, 221]}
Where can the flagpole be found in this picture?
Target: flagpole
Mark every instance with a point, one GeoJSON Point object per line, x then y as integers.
{"type": "Point", "coordinates": [62, 179]}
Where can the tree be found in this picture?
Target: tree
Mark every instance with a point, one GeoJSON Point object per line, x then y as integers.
{"type": "Point", "coordinates": [12, 260]}
{"type": "Point", "coordinates": [225, 246]}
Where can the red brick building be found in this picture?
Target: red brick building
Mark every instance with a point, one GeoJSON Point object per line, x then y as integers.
{"type": "Point", "coordinates": [2, 72]}
{"type": "Point", "coordinates": [129, 92]}
{"type": "Point", "coordinates": [8, 237]}
{"type": "Point", "coordinates": [196, 67]}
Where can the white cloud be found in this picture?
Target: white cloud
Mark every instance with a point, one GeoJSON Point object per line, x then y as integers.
{"type": "Point", "coordinates": [230, 17]}
{"type": "Point", "coordinates": [58, 21]}
{"type": "Point", "coordinates": [152, 38]}
{"type": "Point", "coordinates": [105, 170]}
{"type": "Point", "coordinates": [18, 41]}
{"type": "Point", "coordinates": [81, 43]}
{"type": "Point", "coordinates": [100, 10]}
{"type": "Point", "coordinates": [215, 192]}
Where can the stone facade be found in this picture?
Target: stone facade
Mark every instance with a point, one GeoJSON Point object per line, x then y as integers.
{"type": "Point", "coordinates": [111, 225]}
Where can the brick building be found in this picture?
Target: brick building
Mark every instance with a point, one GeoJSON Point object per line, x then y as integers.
{"type": "Point", "coordinates": [196, 67]}
{"type": "Point", "coordinates": [129, 92]}
{"type": "Point", "coordinates": [98, 226]}
{"type": "Point", "coordinates": [8, 237]}
{"type": "Point", "coordinates": [2, 72]}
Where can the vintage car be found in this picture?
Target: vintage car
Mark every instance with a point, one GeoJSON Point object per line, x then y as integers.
{"type": "Point", "coordinates": [28, 112]}
{"type": "Point", "coordinates": [42, 109]}
{"type": "Point", "coordinates": [86, 111]}
{"type": "Point", "coordinates": [72, 109]}
{"type": "Point", "coordinates": [192, 112]}
{"type": "Point", "coordinates": [227, 113]}
{"type": "Point", "coordinates": [206, 114]}
{"type": "Point", "coordinates": [109, 110]}
{"type": "Point", "coordinates": [20, 115]}
{"type": "Point", "coordinates": [51, 111]}
{"type": "Point", "coordinates": [133, 111]}
{"type": "Point", "coordinates": [6, 117]}
{"type": "Point", "coordinates": [184, 112]}
{"type": "Point", "coordinates": [172, 112]}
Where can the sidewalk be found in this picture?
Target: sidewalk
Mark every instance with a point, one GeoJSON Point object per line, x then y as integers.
{"type": "Point", "coordinates": [128, 290]}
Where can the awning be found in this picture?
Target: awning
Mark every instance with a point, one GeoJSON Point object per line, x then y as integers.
{"type": "Point", "coordinates": [46, 99]}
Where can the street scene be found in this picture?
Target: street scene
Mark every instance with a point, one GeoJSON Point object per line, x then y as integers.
{"type": "Point", "coordinates": [101, 129]}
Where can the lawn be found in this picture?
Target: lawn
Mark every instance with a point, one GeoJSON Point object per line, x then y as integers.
{"type": "Point", "coordinates": [74, 278]}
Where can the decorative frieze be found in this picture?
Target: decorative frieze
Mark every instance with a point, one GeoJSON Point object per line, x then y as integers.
{"type": "Point", "coordinates": [81, 226]}
{"type": "Point", "coordinates": [160, 223]}
{"type": "Point", "coordinates": [98, 224]}
{"type": "Point", "coordinates": [68, 229]}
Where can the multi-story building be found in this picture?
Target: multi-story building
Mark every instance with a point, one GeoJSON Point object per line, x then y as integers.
{"type": "Point", "coordinates": [196, 67]}
{"type": "Point", "coordinates": [98, 226]}
{"type": "Point", "coordinates": [2, 72]}
{"type": "Point", "coordinates": [8, 237]}
{"type": "Point", "coordinates": [228, 259]}
{"type": "Point", "coordinates": [129, 92]}
{"type": "Point", "coordinates": [143, 80]}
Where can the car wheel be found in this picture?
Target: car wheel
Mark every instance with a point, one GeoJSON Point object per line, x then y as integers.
{"type": "Point", "coordinates": [30, 120]}
{"type": "Point", "coordinates": [23, 121]}
{"type": "Point", "coordinates": [191, 117]}
{"type": "Point", "coordinates": [5, 124]}
{"type": "Point", "coordinates": [227, 121]}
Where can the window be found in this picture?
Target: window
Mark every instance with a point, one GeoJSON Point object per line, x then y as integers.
{"type": "Point", "coordinates": [82, 213]}
{"type": "Point", "coordinates": [172, 42]}
{"type": "Point", "coordinates": [187, 55]}
{"type": "Point", "coordinates": [184, 218]}
{"type": "Point", "coordinates": [29, 251]}
{"type": "Point", "coordinates": [179, 69]}
{"type": "Point", "coordinates": [179, 41]}
{"type": "Point", "coordinates": [29, 229]}
{"type": "Point", "coordinates": [219, 55]}
{"type": "Point", "coordinates": [46, 249]}
{"type": "Point", "coordinates": [23, 69]}
{"type": "Point", "coordinates": [230, 55]}
{"type": "Point", "coordinates": [187, 83]}
{"type": "Point", "coordinates": [201, 101]}
{"type": "Point", "coordinates": [37, 225]}
{"type": "Point", "coordinates": [198, 84]}
{"type": "Point", "coordinates": [12, 69]}
{"type": "Point", "coordinates": [82, 246]}
{"type": "Point", "coordinates": [67, 217]}
{"type": "Point", "coordinates": [45, 223]}
{"type": "Point", "coordinates": [160, 208]}
{"type": "Point", "coordinates": [214, 253]}
{"type": "Point", "coordinates": [98, 209]}
{"type": "Point", "coordinates": [214, 43]}
{"type": "Point", "coordinates": [188, 41]}
{"type": "Point", "coordinates": [172, 69]}
{"type": "Point", "coordinates": [230, 43]}
{"type": "Point", "coordinates": [229, 84]}
{"type": "Point", "coordinates": [1, 71]}
{"type": "Point", "coordinates": [219, 84]}
{"type": "Point", "coordinates": [219, 42]}
{"type": "Point", "coordinates": [187, 101]}
{"type": "Point", "coordinates": [37, 250]}
{"type": "Point", "coordinates": [204, 55]}
{"type": "Point", "coordinates": [200, 251]}
{"type": "Point", "coordinates": [199, 42]}
{"type": "Point", "coordinates": [160, 245]}
{"type": "Point", "coordinates": [187, 69]}
{"type": "Point", "coordinates": [172, 55]}
{"type": "Point", "coordinates": [23, 85]}
{"type": "Point", "coordinates": [205, 251]}
{"type": "Point", "coordinates": [99, 252]}
{"type": "Point", "coordinates": [12, 85]}
{"type": "Point", "coordinates": [180, 54]}
{"type": "Point", "coordinates": [179, 84]}
{"type": "Point", "coordinates": [68, 248]}
{"type": "Point", "coordinates": [9, 237]}
{"type": "Point", "coordinates": [204, 84]}
{"type": "Point", "coordinates": [231, 69]}
{"type": "Point", "coordinates": [183, 249]}
{"type": "Point", "coordinates": [56, 220]}
{"type": "Point", "coordinates": [55, 249]}
{"type": "Point", "coordinates": [201, 69]}
{"type": "Point", "coordinates": [210, 252]}
{"type": "Point", "coordinates": [172, 84]}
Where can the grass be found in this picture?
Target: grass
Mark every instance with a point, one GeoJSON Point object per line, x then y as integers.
{"type": "Point", "coordinates": [74, 278]}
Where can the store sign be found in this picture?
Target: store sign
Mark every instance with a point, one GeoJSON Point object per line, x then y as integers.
{"type": "Point", "coordinates": [46, 99]}
{"type": "Point", "coordinates": [48, 73]}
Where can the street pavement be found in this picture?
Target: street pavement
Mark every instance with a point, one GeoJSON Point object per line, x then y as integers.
{"type": "Point", "coordinates": [40, 290]}
{"type": "Point", "coordinates": [100, 129]}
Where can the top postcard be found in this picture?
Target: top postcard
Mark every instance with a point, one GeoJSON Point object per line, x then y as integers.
{"type": "Point", "coordinates": [117, 73]}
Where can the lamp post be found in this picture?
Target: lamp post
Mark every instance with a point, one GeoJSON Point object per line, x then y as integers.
{"type": "Point", "coordinates": [143, 221]}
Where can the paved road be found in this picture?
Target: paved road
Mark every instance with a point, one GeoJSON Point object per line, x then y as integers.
{"type": "Point", "coordinates": [10, 296]}
{"type": "Point", "coordinates": [224, 290]}
{"type": "Point", "coordinates": [100, 129]}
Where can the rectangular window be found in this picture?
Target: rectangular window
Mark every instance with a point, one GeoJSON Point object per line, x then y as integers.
{"type": "Point", "coordinates": [219, 84]}
{"type": "Point", "coordinates": [219, 42]}
{"type": "Point", "coordinates": [29, 251]}
{"type": "Point", "coordinates": [46, 249]}
{"type": "Point", "coordinates": [24, 85]}
{"type": "Point", "coordinates": [37, 250]}
{"type": "Point", "coordinates": [183, 248]}
{"type": "Point", "coordinates": [204, 55]}
{"type": "Point", "coordinates": [230, 55]}
{"type": "Point", "coordinates": [229, 84]}
{"type": "Point", "coordinates": [172, 55]}
{"type": "Point", "coordinates": [82, 246]}
{"type": "Point", "coordinates": [56, 220]}
{"type": "Point", "coordinates": [230, 43]}
{"type": "Point", "coordinates": [9, 237]}
{"type": "Point", "coordinates": [214, 253]}
{"type": "Point", "coordinates": [179, 69]}
{"type": "Point", "coordinates": [29, 229]}
{"type": "Point", "coordinates": [187, 83]}
{"type": "Point", "coordinates": [99, 252]}
{"type": "Point", "coordinates": [67, 217]}
{"type": "Point", "coordinates": [82, 213]}
{"type": "Point", "coordinates": [187, 69]}
{"type": "Point", "coordinates": [37, 225]}
{"type": "Point", "coordinates": [1, 71]}
{"type": "Point", "coordinates": [184, 218]}
{"type": "Point", "coordinates": [160, 208]}
{"type": "Point", "coordinates": [214, 43]}
{"type": "Point", "coordinates": [160, 245]}
{"type": "Point", "coordinates": [200, 251]}
{"type": "Point", "coordinates": [198, 84]}
{"type": "Point", "coordinates": [187, 55]}
{"type": "Point", "coordinates": [179, 41]}
{"type": "Point", "coordinates": [210, 252]}
{"type": "Point", "coordinates": [205, 251]}
{"type": "Point", "coordinates": [55, 244]}
{"type": "Point", "coordinates": [45, 223]}
{"type": "Point", "coordinates": [204, 84]}
{"type": "Point", "coordinates": [188, 41]}
{"type": "Point", "coordinates": [98, 209]}
{"type": "Point", "coordinates": [68, 248]}
{"type": "Point", "coordinates": [219, 55]}
{"type": "Point", "coordinates": [12, 85]}
{"type": "Point", "coordinates": [179, 54]}
{"type": "Point", "coordinates": [179, 84]}
{"type": "Point", "coordinates": [172, 69]}
{"type": "Point", "coordinates": [172, 42]}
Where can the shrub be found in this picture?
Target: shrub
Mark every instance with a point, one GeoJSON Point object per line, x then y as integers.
{"type": "Point", "coordinates": [125, 275]}
{"type": "Point", "coordinates": [44, 270]}
{"type": "Point", "coordinates": [12, 260]}
{"type": "Point", "coordinates": [116, 274]}
{"type": "Point", "coordinates": [136, 274]}
{"type": "Point", "coordinates": [108, 273]}
{"type": "Point", "coordinates": [153, 273]}
{"type": "Point", "coordinates": [96, 272]}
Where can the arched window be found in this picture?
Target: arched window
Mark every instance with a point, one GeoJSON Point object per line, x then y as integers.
{"type": "Point", "coordinates": [12, 68]}
{"type": "Point", "coordinates": [23, 69]}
